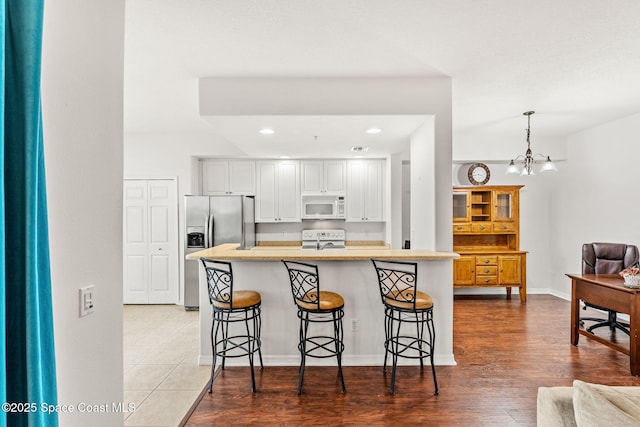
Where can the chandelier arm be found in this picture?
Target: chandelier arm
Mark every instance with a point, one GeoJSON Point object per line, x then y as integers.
{"type": "Point", "coordinates": [544, 157]}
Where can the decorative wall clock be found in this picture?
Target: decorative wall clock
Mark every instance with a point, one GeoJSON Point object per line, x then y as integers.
{"type": "Point", "coordinates": [479, 174]}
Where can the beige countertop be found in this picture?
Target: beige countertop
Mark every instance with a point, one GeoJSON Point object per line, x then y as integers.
{"type": "Point", "coordinates": [229, 251]}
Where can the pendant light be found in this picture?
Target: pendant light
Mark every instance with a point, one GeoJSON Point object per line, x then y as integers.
{"type": "Point", "coordinates": [524, 164]}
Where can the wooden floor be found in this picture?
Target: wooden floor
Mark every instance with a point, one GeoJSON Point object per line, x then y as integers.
{"type": "Point", "coordinates": [504, 351]}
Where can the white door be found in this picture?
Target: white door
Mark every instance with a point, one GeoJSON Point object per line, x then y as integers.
{"type": "Point", "coordinates": [242, 177]}
{"type": "Point", "coordinates": [334, 176]}
{"type": "Point", "coordinates": [356, 190]}
{"type": "Point", "coordinates": [365, 190]}
{"type": "Point", "coordinates": [266, 197]}
{"type": "Point", "coordinates": [150, 242]}
{"type": "Point", "coordinates": [373, 190]}
{"type": "Point", "coordinates": [312, 175]}
{"type": "Point", "coordinates": [135, 237]}
{"type": "Point", "coordinates": [289, 203]}
{"type": "Point", "coordinates": [215, 177]}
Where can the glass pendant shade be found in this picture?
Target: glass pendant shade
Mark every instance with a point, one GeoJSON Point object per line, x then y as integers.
{"type": "Point", "coordinates": [548, 166]}
{"type": "Point", "coordinates": [512, 168]}
{"type": "Point", "coordinates": [527, 172]}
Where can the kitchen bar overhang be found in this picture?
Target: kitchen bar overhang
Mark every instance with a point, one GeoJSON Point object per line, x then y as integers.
{"type": "Point", "coordinates": [348, 271]}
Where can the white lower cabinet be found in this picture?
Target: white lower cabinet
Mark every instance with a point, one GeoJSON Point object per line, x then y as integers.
{"type": "Point", "coordinates": [278, 191]}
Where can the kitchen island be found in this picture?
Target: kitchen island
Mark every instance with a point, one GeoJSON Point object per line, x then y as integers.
{"type": "Point", "coordinates": [347, 271]}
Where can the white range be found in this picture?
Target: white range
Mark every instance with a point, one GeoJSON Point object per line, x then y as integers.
{"type": "Point", "coordinates": [323, 239]}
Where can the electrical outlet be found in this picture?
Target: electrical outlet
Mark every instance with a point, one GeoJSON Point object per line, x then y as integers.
{"type": "Point", "coordinates": [86, 300]}
{"type": "Point", "coordinates": [354, 325]}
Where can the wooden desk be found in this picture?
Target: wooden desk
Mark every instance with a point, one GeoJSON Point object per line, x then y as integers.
{"type": "Point", "coordinates": [607, 290]}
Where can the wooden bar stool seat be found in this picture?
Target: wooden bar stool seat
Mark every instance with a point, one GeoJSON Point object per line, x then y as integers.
{"type": "Point", "coordinates": [327, 301]}
{"type": "Point", "coordinates": [422, 301]}
{"type": "Point", "coordinates": [241, 299]}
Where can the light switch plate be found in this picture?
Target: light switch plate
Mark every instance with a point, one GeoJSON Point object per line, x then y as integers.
{"type": "Point", "coordinates": [86, 300]}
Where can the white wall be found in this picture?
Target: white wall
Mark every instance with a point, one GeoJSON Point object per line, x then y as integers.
{"type": "Point", "coordinates": [596, 197]}
{"type": "Point", "coordinates": [82, 83]}
{"type": "Point", "coordinates": [423, 195]}
{"type": "Point", "coordinates": [394, 193]}
{"type": "Point", "coordinates": [406, 201]}
{"type": "Point", "coordinates": [484, 144]}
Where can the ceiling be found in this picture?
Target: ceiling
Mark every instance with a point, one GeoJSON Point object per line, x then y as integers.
{"type": "Point", "coordinates": [575, 62]}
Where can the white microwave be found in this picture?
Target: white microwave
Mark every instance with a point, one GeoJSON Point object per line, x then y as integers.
{"type": "Point", "coordinates": [323, 207]}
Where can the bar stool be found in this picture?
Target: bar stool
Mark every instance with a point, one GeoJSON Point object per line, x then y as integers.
{"type": "Point", "coordinates": [403, 303]}
{"type": "Point", "coordinates": [241, 309]}
{"type": "Point", "coordinates": [316, 306]}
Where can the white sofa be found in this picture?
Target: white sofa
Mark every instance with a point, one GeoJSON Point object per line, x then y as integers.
{"type": "Point", "coordinates": [588, 405]}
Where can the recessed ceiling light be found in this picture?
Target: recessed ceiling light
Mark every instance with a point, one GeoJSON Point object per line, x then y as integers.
{"type": "Point", "coordinates": [359, 149]}
{"type": "Point", "coordinates": [374, 130]}
{"type": "Point", "coordinates": [284, 157]}
{"type": "Point", "coordinates": [267, 131]}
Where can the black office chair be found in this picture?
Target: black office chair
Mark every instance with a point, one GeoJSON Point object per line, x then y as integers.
{"type": "Point", "coordinates": [607, 258]}
{"type": "Point", "coordinates": [403, 303]}
{"type": "Point", "coordinates": [316, 306]}
{"type": "Point", "coordinates": [238, 309]}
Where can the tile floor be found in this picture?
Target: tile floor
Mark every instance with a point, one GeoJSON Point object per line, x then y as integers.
{"type": "Point", "coordinates": [161, 372]}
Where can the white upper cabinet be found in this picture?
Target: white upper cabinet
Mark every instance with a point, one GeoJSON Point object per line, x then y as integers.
{"type": "Point", "coordinates": [228, 177]}
{"type": "Point", "coordinates": [278, 191]}
{"type": "Point", "coordinates": [323, 176]}
{"type": "Point", "coordinates": [365, 190]}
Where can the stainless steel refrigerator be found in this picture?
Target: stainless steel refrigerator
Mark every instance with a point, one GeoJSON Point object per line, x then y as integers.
{"type": "Point", "coordinates": [212, 221]}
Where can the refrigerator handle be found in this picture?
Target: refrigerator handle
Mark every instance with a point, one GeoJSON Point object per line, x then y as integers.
{"type": "Point", "coordinates": [206, 231]}
{"type": "Point", "coordinates": [211, 231]}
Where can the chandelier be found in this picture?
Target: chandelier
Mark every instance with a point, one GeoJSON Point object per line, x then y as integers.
{"type": "Point", "coordinates": [529, 159]}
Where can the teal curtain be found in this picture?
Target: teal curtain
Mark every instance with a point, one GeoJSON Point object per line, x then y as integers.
{"type": "Point", "coordinates": [27, 359]}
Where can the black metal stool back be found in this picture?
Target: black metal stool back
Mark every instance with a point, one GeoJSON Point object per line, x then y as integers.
{"type": "Point", "coordinates": [219, 283]}
{"type": "Point", "coordinates": [397, 282]}
{"type": "Point", "coordinates": [404, 304]}
{"type": "Point", "coordinates": [315, 306]}
{"type": "Point", "coordinates": [230, 307]}
{"type": "Point", "coordinates": [305, 284]}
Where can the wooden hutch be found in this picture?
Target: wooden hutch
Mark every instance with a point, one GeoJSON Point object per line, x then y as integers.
{"type": "Point", "coordinates": [486, 234]}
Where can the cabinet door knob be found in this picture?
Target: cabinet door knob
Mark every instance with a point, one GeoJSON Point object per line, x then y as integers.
{"type": "Point", "coordinates": [486, 261]}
